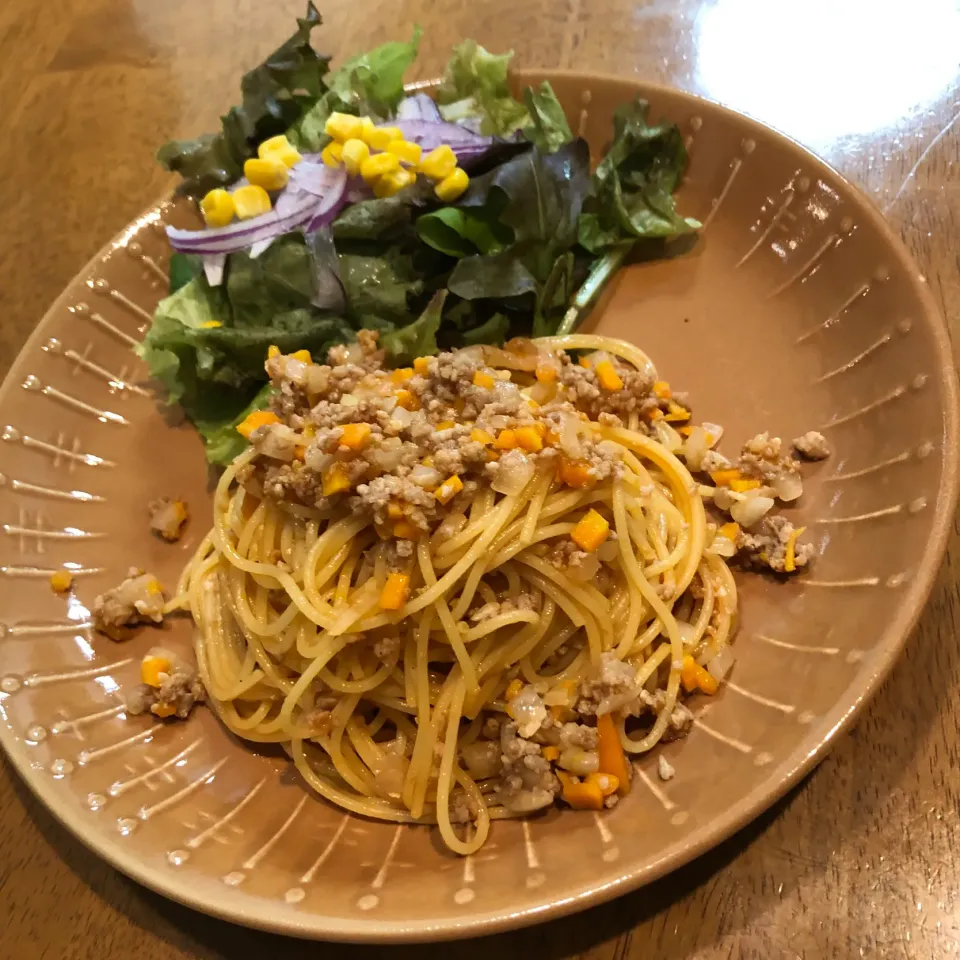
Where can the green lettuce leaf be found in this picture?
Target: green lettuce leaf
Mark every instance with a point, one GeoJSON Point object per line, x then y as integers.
{"type": "Point", "coordinates": [475, 87]}
{"type": "Point", "coordinates": [632, 190]}
{"type": "Point", "coordinates": [461, 231]}
{"type": "Point", "coordinates": [369, 84]}
{"type": "Point", "coordinates": [492, 331]}
{"type": "Point", "coordinates": [548, 129]}
{"type": "Point", "coordinates": [223, 443]}
{"type": "Point", "coordinates": [417, 339]}
{"type": "Point", "coordinates": [273, 98]}
{"type": "Point", "coordinates": [380, 285]}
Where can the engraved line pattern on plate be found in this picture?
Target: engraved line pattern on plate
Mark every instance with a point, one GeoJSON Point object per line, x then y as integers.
{"type": "Point", "coordinates": [22, 486]}
{"type": "Point", "coordinates": [837, 314]}
{"type": "Point", "coordinates": [327, 850]}
{"type": "Point", "coordinates": [196, 840]}
{"type": "Point", "coordinates": [253, 860]}
{"type": "Point", "coordinates": [781, 211]}
{"type": "Point", "coordinates": [145, 813]}
{"type": "Point", "coordinates": [82, 310]}
{"type": "Point", "coordinates": [859, 358]}
{"type": "Point", "coordinates": [59, 676]}
{"type": "Point", "coordinates": [764, 701]}
{"type": "Point", "coordinates": [122, 786]}
{"type": "Point", "coordinates": [34, 385]}
{"type": "Point", "coordinates": [722, 737]}
{"type": "Point", "coordinates": [116, 382]}
{"type": "Point", "coordinates": [665, 801]}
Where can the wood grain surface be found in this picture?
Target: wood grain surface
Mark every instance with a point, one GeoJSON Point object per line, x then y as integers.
{"type": "Point", "coordinates": [863, 858]}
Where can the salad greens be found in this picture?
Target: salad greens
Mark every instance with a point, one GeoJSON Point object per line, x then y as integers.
{"type": "Point", "coordinates": [523, 251]}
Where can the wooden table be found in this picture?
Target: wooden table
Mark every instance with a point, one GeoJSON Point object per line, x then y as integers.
{"type": "Point", "coordinates": [861, 860]}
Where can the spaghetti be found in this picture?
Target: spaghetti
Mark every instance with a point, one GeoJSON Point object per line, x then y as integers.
{"type": "Point", "coordinates": [454, 658]}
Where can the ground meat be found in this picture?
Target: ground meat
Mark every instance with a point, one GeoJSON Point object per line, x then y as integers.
{"type": "Point", "coordinates": [613, 687]}
{"type": "Point", "coordinates": [761, 458]}
{"type": "Point", "coordinates": [174, 691]}
{"type": "Point", "coordinates": [462, 807]}
{"type": "Point", "coordinates": [578, 735]}
{"type": "Point", "coordinates": [168, 518]}
{"type": "Point", "coordinates": [713, 461]}
{"type": "Point", "coordinates": [664, 768]}
{"type": "Point", "coordinates": [766, 545]}
{"type": "Point", "coordinates": [812, 446]}
{"type": "Point", "coordinates": [387, 648]}
{"type": "Point", "coordinates": [527, 782]}
{"type": "Point", "coordinates": [138, 599]}
{"type": "Point", "coordinates": [581, 386]}
{"type": "Point", "coordinates": [318, 721]}
{"type": "Point", "coordinates": [655, 703]}
{"type": "Point", "coordinates": [524, 601]}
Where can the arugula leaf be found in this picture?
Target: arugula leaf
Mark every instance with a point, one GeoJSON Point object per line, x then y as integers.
{"type": "Point", "coordinates": [548, 128]}
{"type": "Point", "coordinates": [417, 339]}
{"type": "Point", "coordinates": [460, 232]}
{"type": "Point", "coordinates": [475, 87]}
{"type": "Point", "coordinates": [373, 219]}
{"type": "Point", "coordinates": [222, 441]}
{"type": "Point", "coordinates": [632, 191]}
{"type": "Point", "coordinates": [273, 96]}
{"type": "Point", "coordinates": [540, 197]}
{"type": "Point", "coordinates": [183, 268]}
{"type": "Point", "coordinates": [368, 84]}
{"type": "Point", "coordinates": [493, 331]}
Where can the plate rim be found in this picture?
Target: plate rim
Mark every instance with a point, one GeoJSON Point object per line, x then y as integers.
{"type": "Point", "coordinates": [253, 911]}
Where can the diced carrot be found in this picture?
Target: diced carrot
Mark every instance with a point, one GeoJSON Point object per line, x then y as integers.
{"type": "Point", "coordinates": [585, 363]}
{"type": "Point", "coordinates": [723, 478]}
{"type": "Point", "coordinates": [303, 356]}
{"type": "Point", "coordinates": [401, 375]}
{"type": "Point", "coordinates": [355, 435]}
{"type": "Point", "coordinates": [607, 375]}
{"type": "Point", "coordinates": [694, 677]}
{"type": "Point", "coordinates": [445, 425]}
{"type": "Point", "coordinates": [590, 532]}
{"type": "Point", "coordinates": [513, 689]}
{"type": "Point", "coordinates": [449, 489]}
{"type": "Point", "coordinates": [581, 795]}
{"type": "Point", "coordinates": [405, 530]}
{"type": "Point", "coordinates": [551, 753]}
{"type": "Point", "coordinates": [677, 414]}
{"type": "Point", "coordinates": [335, 480]}
{"type": "Point", "coordinates": [258, 418]}
{"type": "Point", "coordinates": [730, 530]}
{"type": "Point", "coordinates": [741, 486]}
{"type": "Point", "coordinates": [483, 379]}
{"type": "Point", "coordinates": [612, 758]}
{"type": "Point", "coordinates": [481, 436]}
{"type": "Point", "coordinates": [408, 400]}
{"type": "Point", "coordinates": [790, 560]}
{"type": "Point", "coordinates": [421, 364]}
{"type": "Point", "coordinates": [575, 473]}
{"type": "Point", "coordinates": [163, 709]}
{"type": "Point", "coordinates": [395, 591]}
{"type": "Point", "coordinates": [506, 440]}
{"type": "Point", "coordinates": [529, 439]}
{"type": "Point", "coordinates": [394, 510]}
{"type": "Point", "coordinates": [661, 389]}
{"type": "Point", "coordinates": [151, 668]}
{"type": "Point", "coordinates": [546, 373]}
{"type": "Point", "coordinates": [607, 782]}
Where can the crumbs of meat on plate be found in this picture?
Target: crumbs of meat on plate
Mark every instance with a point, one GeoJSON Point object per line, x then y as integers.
{"type": "Point", "coordinates": [812, 446]}
{"type": "Point", "coordinates": [138, 599]}
{"type": "Point", "coordinates": [168, 518]}
{"type": "Point", "coordinates": [170, 686]}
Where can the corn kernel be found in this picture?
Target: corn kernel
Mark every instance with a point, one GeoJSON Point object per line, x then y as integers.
{"type": "Point", "coordinates": [335, 480]}
{"type": "Point", "coordinates": [343, 127]}
{"type": "Point", "coordinates": [163, 710]}
{"type": "Point", "coordinates": [302, 355]}
{"type": "Point", "coordinates": [446, 425]}
{"type": "Point", "coordinates": [251, 201]}
{"type": "Point", "coordinates": [378, 138]}
{"type": "Point", "coordinates": [353, 154]}
{"type": "Point", "coordinates": [439, 163]}
{"type": "Point", "coordinates": [279, 148]}
{"type": "Point", "coordinates": [217, 208]}
{"type": "Point", "coordinates": [61, 581]}
{"type": "Point", "coordinates": [395, 591]}
{"type": "Point", "coordinates": [590, 532]}
{"type": "Point", "coordinates": [694, 677]}
{"type": "Point", "coordinates": [405, 151]}
{"type": "Point", "coordinates": [392, 183]}
{"type": "Point", "coordinates": [377, 165]}
{"type": "Point", "coordinates": [151, 668]}
{"type": "Point", "coordinates": [483, 379]}
{"type": "Point", "coordinates": [258, 418]}
{"type": "Point", "coordinates": [450, 188]}
{"type": "Point", "coordinates": [449, 489]}
{"type": "Point", "coordinates": [332, 154]}
{"type": "Point", "coordinates": [269, 173]}
{"type": "Point", "coordinates": [421, 365]}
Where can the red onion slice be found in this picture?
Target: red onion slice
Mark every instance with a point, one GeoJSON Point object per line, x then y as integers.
{"type": "Point", "coordinates": [420, 106]}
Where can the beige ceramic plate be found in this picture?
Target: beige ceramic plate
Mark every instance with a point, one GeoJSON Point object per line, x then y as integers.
{"type": "Point", "coordinates": [797, 309]}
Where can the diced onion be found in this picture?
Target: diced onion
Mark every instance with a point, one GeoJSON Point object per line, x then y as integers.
{"type": "Point", "coordinates": [788, 486]}
{"type": "Point", "coordinates": [388, 454]}
{"type": "Point", "coordinates": [514, 473]}
{"type": "Point", "coordinates": [723, 547]}
{"type": "Point", "coordinates": [295, 370]}
{"type": "Point", "coordinates": [316, 459]}
{"type": "Point", "coordinates": [402, 415]}
{"type": "Point", "coordinates": [482, 759]}
{"type": "Point", "coordinates": [528, 710]}
{"type": "Point", "coordinates": [714, 433]}
{"type": "Point", "coordinates": [608, 551]}
{"type": "Point", "coordinates": [426, 477]}
{"type": "Point", "coordinates": [578, 761]}
{"type": "Point", "coordinates": [695, 447]}
{"type": "Point", "coordinates": [570, 436]}
{"type": "Point", "coordinates": [720, 664]}
{"type": "Point", "coordinates": [751, 510]}
{"type": "Point", "coordinates": [318, 378]}
{"type": "Point", "coordinates": [587, 570]}
{"type": "Point", "coordinates": [668, 436]}
{"type": "Point", "coordinates": [723, 498]}
{"type": "Point", "coordinates": [688, 633]}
